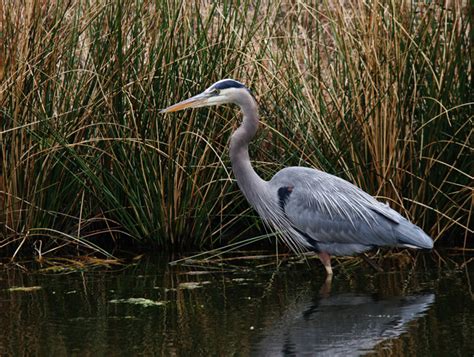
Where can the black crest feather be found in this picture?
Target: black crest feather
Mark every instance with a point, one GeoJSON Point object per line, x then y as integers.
{"type": "Point", "coordinates": [228, 83]}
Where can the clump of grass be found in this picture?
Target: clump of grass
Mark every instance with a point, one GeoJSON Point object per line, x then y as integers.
{"type": "Point", "coordinates": [378, 94]}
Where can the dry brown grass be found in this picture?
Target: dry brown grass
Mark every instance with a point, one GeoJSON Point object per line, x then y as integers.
{"type": "Point", "coordinates": [379, 93]}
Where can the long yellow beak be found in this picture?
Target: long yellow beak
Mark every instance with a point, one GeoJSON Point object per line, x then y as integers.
{"type": "Point", "coordinates": [193, 102]}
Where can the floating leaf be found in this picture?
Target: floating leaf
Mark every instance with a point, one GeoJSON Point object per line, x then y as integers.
{"type": "Point", "coordinates": [240, 280]}
{"type": "Point", "coordinates": [24, 288]}
{"type": "Point", "coordinates": [193, 284]}
{"type": "Point", "coordinates": [198, 272]}
{"type": "Point", "coordinates": [139, 301]}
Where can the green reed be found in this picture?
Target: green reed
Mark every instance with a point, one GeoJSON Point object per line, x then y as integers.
{"type": "Point", "coordinates": [379, 94]}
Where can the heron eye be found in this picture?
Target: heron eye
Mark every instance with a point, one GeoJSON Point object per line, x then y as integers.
{"type": "Point", "coordinates": [215, 91]}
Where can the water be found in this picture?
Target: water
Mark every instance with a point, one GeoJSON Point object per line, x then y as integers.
{"type": "Point", "coordinates": [252, 307]}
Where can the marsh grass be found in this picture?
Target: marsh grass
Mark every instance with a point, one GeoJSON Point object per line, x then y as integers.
{"type": "Point", "coordinates": [379, 94]}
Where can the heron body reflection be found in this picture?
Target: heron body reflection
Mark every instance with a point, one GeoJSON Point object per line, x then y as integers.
{"type": "Point", "coordinates": [340, 325]}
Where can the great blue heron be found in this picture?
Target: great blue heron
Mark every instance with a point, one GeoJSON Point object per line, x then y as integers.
{"type": "Point", "coordinates": [309, 208]}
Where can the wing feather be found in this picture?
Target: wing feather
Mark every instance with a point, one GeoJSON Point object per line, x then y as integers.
{"type": "Point", "coordinates": [331, 210]}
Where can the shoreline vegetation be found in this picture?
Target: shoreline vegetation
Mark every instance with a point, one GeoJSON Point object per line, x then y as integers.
{"type": "Point", "coordinates": [377, 93]}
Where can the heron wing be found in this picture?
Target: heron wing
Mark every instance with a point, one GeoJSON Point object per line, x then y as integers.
{"type": "Point", "coordinates": [331, 210]}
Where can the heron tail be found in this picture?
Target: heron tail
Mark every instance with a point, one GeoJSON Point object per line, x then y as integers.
{"type": "Point", "coordinates": [412, 236]}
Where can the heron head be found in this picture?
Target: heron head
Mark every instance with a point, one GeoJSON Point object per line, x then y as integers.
{"type": "Point", "coordinates": [222, 92]}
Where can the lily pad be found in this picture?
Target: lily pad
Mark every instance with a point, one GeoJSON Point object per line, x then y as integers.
{"type": "Point", "coordinates": [198, 272]}
{"type": "Point", "coordinates": [193, 284]}
{"type": "Point", "coordinates": [240, 280]}
{"type": "Point", "coordinates": [138, 301]}
{"type": "Point", "coordinates": [24, 288]}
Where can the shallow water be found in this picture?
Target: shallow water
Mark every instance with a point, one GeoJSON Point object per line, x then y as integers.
{"type": "Point", "coordinates": [262, 308]}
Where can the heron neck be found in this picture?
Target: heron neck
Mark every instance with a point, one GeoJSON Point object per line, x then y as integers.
{"type": "Point", "coordinates": [248, 180]}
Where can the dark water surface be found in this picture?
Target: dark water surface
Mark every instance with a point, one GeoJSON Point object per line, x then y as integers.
{"type": "Point", "coordinates": [261, 308]}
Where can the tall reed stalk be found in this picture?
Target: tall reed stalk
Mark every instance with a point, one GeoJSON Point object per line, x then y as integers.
{"type": "Point", "coordinates": [379, 93]}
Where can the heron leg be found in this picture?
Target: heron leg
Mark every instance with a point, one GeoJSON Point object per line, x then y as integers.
{"type": "Point", "coordinates": [325, 290]}
{"type": "Point", "coordinates": [326, 260]}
